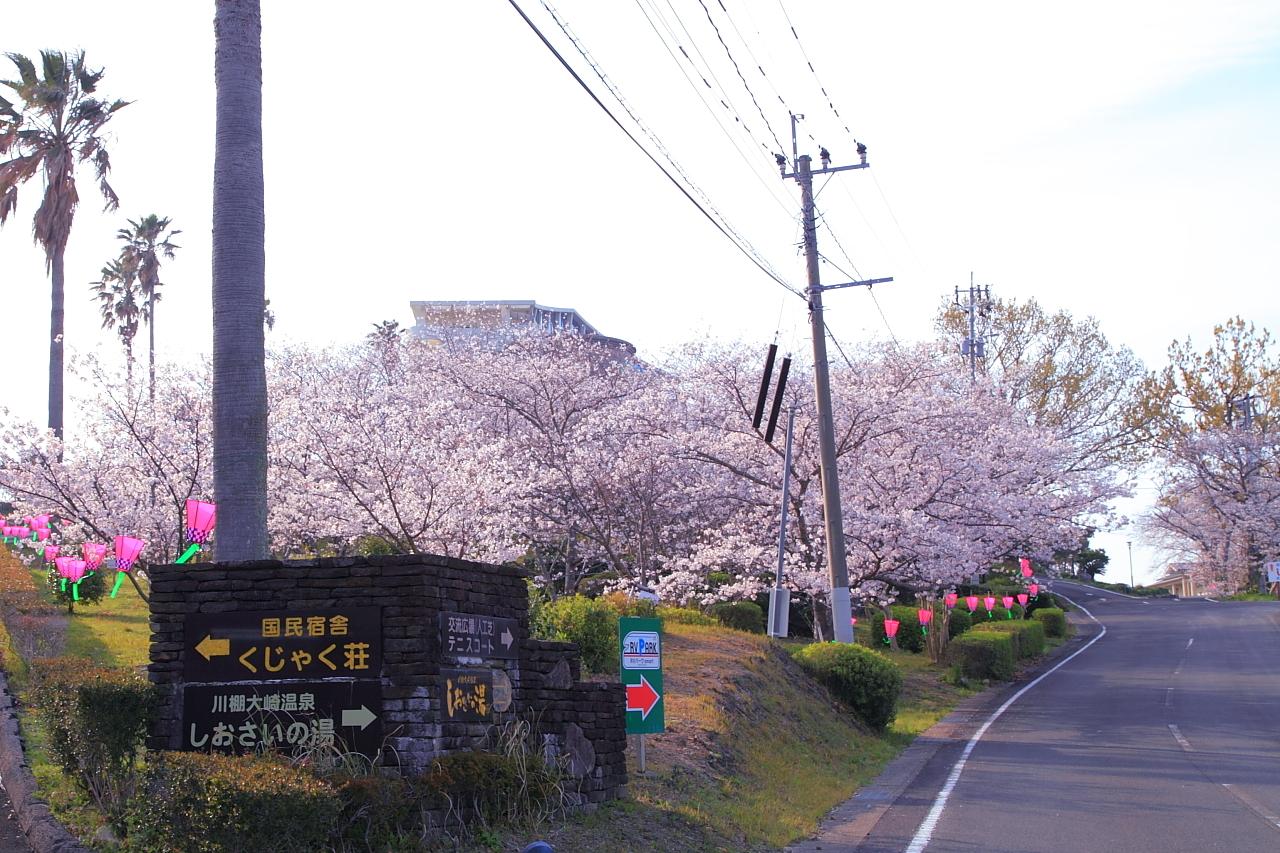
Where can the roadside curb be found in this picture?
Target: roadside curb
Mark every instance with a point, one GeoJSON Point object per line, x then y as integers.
{"type": "Point", "coordinates": [44, 833]}
{"type": "Point", "coordinates": [848, 824]}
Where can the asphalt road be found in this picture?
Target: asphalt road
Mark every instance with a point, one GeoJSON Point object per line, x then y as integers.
{"type": "Point", "coordinates": [1164, 735]}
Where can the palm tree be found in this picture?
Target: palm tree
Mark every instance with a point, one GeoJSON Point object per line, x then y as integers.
{"type": "Point", "coordinates": [117, 293]}
{"type": "Point", "coordinates": [145, 241]}
{"type": "Point", "coordinates": [58, 126]}
{"type": "Point", "coordinates": [239, 274]}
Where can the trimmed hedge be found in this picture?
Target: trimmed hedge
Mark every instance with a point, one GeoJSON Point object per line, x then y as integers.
{"type": "Point", "coordinates": [589, 622]}
{"type": "Point", "coordinates": [866, 681]}
{"type": "Point", "coordinates": [983, 655]}
{"type": "Point", "coordinates": [684, 616]}
{"type": "Point", "coordinates": [1027, 636]}
{"type": "Point", "coordinates": [194, 802]}
{"type": "Point", "coordinates": [742, 615]}
{"type": "Point", "coordinates": [909, 637]}
{"type": "Point", "coordinates": [1053, 620]}
{"type": "Point", "coordinates": [97, 719]}
{"type": "Point", "coordinates": [960, 622]}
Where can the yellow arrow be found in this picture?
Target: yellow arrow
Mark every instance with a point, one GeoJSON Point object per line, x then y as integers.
{"type": "Point", "coordinates": [211, 648]}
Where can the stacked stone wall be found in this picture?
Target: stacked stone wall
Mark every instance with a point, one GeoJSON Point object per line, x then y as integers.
{"type": "Point", "coordinates": [581, 724]}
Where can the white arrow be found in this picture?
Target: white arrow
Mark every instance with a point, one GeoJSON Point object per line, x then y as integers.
{"type": "Point", "coordinates": [361, 717]}
{"type": "Point", "coordinates": [506, 638]}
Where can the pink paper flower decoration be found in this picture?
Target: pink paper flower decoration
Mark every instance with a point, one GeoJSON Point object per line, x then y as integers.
{"type": "Point", "coordinates": [127, 551]}
{"type": "Point", "coordinates": [201, 518]}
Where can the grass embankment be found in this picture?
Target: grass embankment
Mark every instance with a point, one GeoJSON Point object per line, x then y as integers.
{"type": "Point", "coordinates": [115, 632]}
{"type": "Point", "coordinates": [755, 752]}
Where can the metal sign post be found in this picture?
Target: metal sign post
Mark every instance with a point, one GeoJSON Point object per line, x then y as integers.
{"type": "Point", "coordinates": [640, 651]}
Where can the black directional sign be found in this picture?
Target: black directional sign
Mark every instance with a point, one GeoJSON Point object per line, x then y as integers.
{"type": "Point", "coordinates": [342, 642]}
{"type": "Point", "coordinates": [467, 694]}
{"type": "Point", "coordinates": [472, 636]}
{"type": "Point", "coordinates": [294, 715]}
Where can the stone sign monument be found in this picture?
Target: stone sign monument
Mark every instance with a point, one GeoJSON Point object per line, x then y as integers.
{"type": "Point", "coordinates": [404, 659]}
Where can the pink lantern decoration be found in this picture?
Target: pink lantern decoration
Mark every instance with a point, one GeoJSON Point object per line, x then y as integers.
{"type": "Point", "coordinates": [1025, 565]}
{"type": "Point", "coordinates": [201, 518]}
{"type": "Point", "coordinates": [42, 533]}
{"type": "Point", "coordinates": [1007, 601]}
{"type": "Point", "coordinates": [1022, 599]}
{"type": "Point", "coordinates": [890, 629]}
{"type": "Point", "coordinates": [63, 565]}
{"type": "Point", "coordinates": [50, 553]}
{"type": "Point", "coordinates": [94, 554]}
{"type": "Point", "coordinates": [127, 550]}
{"type": "Point", "coordinates": [924, 615]}
{"type": "Point", "coordinates": [950, 600]}
{"type": "Point", "coordinates": [76, 569]}
{"type": "Point", "coordinates": [989, 602]}
{"type": "Point", "coordinates": [971, 601]}
{"type": "Point", "coordinates": [22, 532]}
{"type": "Point", "coordinates": [1034, 589]}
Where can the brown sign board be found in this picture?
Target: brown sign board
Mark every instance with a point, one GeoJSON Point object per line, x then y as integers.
{"type": "Point", "coordinates": [286, 715]}
{"type": "Point", "coordinates": [471, 636]}
{"type": "Point", "coordinates": [334, 642]}
{"type": "Point", "coordinates": [466, 695]}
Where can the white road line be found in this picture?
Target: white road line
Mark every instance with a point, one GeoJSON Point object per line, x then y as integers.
{"type": "Point", "coordinates": [1189, 642]}
{"type": "Point", "coordinates": [1214, 600]}
{"type": "Point", "coordinates": [1253, 804]}
{"type": "Point", "coordinates": [925, 832]}
{"type": "Point", "coordinates": [1182, 742]}
{"type": "Point", "coordinates": [1168, 697]}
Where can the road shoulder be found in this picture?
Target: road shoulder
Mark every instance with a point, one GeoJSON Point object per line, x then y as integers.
{"type": "Point", "coordinates": [848, 824]}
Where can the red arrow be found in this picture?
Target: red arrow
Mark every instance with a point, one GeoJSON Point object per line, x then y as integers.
{"type": "Point", "coordinates": [642, 697]}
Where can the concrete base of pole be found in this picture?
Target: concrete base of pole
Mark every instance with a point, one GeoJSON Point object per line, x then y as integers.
{"type": "Point", "coordinates": [779, 611]}
{"type": "Point", "coordinates": [842, 614]}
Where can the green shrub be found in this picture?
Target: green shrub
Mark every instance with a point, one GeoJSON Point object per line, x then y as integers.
{"type": "Point", "coordinates": [742, 615]}
{"type": "Point", "coordinates": [983, 655]}
{"type": "Point", "coordinates": [497, 787]}
{"type": "Point", "coordinates": [1027, 636]}
{"type": "Point", "coordinates": [909, 637]}
{"type": "Point", "coordinates": [193, 802]}
{"type": "Point", "coordinates": [90, 590]}
{"type": "Point", "coordinates": [97, 719]}
{"type": "Point", "coordinates": [960, 622]}
{"type": "Point", "coordinates": [375, 810]}
{"type": "Point", "coordinates": [685, 616]}
{"type": "Point", "coordinates": [866, 681]}
{"type": "Point", "coordinates": [1053, 620]}
{"type": "Point", "coordinates": [588, 622]}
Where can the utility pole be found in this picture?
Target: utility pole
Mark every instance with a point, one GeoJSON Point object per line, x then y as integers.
{"type": "Point", "coordinates": [973, 347]}
{"type": "Point", "coordinates": [1130, 544]}
{"type": "Point", "coordinates": [833, 516]}
{"type": "Point", "coordinates": [780, 597]}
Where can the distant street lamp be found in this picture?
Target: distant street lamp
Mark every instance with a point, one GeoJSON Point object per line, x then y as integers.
{"type": "Point", "coordinates": [1130, 544]}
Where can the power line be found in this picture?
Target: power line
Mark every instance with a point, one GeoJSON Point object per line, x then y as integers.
{"type": "Point", "coordinates": [567, 67]}
{"type": "Point", "coordinates": [768, 185]}
{"type": "Point", "coordinates": [738, 69]}
{"type": "Point", "coordinates": [652, 135]}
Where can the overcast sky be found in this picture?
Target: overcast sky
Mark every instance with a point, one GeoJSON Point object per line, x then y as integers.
{"type": "Point", "coordinates": [1116, 159]}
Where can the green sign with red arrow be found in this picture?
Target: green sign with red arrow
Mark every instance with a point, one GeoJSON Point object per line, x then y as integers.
{"type": "Point", "coordinates": [640, 647]}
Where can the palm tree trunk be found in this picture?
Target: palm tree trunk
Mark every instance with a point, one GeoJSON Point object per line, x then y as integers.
{"type": "Point", "coordinates": [151, 351]}
{"type": "Point", "coordinates": [239, 272]}
{"type": "Point", "coordinates": [56, 315]}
